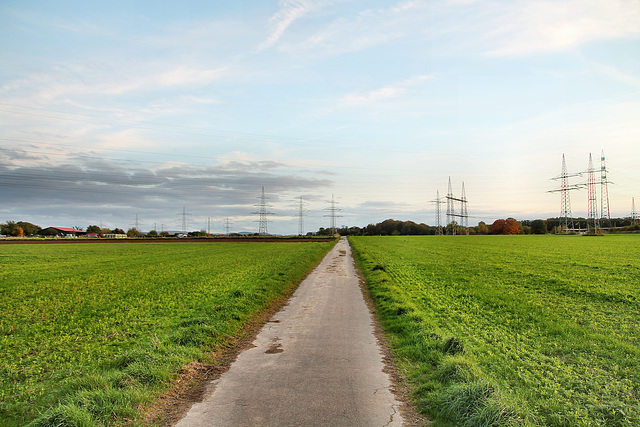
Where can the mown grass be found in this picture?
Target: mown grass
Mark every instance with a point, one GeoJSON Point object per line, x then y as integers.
{"type": "Point", "coordinates": [91, 333]}
{"type": "Point", "coordinates": [512, 330]}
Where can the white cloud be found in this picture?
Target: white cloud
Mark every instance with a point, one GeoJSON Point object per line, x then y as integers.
{"type": "Point", "coordinates": [394, 90]}
{"type": "Point", "coordinates": [524, 27]}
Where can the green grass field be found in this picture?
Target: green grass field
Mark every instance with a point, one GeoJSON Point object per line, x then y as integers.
{"type": "Point", "coordinates": [91, 332]}
{"type": "Point", "coordinates": [512, 330]}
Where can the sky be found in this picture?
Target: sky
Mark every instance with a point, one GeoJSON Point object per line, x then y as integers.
{"type": "Point", "coordinates": [123, 111]}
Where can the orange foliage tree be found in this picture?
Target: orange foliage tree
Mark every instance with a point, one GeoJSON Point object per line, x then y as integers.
{"type": "Point", "coordinates": [505, 226]}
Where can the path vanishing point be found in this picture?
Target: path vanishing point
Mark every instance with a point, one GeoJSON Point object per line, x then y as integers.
{"type": "Point", "coordinates": [316, 362]}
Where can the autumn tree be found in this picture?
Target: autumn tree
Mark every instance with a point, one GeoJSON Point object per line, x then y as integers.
{"type": "Point", "coordinates": [505, 226]}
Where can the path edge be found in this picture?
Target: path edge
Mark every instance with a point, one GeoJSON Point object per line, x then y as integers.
{"type": "Point", "coordinates": [399, 386]}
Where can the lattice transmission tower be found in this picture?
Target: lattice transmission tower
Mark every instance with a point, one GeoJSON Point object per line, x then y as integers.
{"type": "Point", "coordinates": [333, 214]}
{"type": "Point", "coordinates": [593, 223]}
{"type": "Point", "coordinates": [634, 213]}
{"type": "Point", "coordinates": [263, 214]}
{"type": "Point", "coordinates": [438, 201]}
{"type": "Point", "coordinates": [566, 219]}
{"type": "Point", "coordinates": [185, 219]}
{"type": "Point", "coordinates": [301, 218]}
{"type": "Point", "coordinates": [463, 216]}
{"type": "Point", "coordinates": [604, 193]}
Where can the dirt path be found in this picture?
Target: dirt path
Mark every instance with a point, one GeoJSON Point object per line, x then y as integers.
{"type": "Point", "coordinates": [317, 362]}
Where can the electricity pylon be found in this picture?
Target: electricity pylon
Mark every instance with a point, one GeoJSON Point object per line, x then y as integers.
{"type": "Point", "coordinates": [438, 202]}
{"type": "Point", "coordinates": [593, 224]}
{"type": "Point", "coordinates": [263, 215]}
{"type": "Point", "coordinates": [332, 215]}
{"type": "Point", "coordinates": [565, 201]}
{"type": "Point", "coordinates": [604, 192]}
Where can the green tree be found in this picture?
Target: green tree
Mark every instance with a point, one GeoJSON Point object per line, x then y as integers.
{"type": "Point", "coordinates": [94, 229]}
{"type": "Point", "coordinates": [118, 231]}
{"type": "Point", "coordinates": [133, 232]}
{"type": "Point", "coordinates": [28, 228]}
{"type": "Point", "coordinates": [482, 228]}
{"type": "Point", "coordinates": [9, 228]}
{"type": "Point", "coordinates": [152, 233]}
{"type": "Point", "coordinates": [538, 226]}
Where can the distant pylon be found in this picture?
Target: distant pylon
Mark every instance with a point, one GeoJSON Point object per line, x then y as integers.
{"type": "Point", "coordinates": [604, 192]}
{"type": "Point", "coordinates": [301, 219]}
{"type": "Point", "coordinates": [227, 225]}
{"type": "Point", "coordinates": [333, 215]}
{"type": "Point", "coordinates": [593, 224]}
{"type": "Point", "coordinates": [184, 215]}
{"type": "Point", "coordinates": [566, 219]}
{"type": "Point", "coordinates": [634, 213]}
{"type": "Point", "coordinates": [263, 215]}
{"type": "Point", "coordinates": [450, 207]}
{"type": "Point", "coordinates": [438, 202]}
{"type": "Point", "coordinates": [464, 213]}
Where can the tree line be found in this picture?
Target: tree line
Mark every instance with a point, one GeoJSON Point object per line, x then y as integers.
{"type": "Point", "coordinates": [392, 227]}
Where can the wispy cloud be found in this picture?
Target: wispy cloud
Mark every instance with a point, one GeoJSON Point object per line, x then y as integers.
{"type": "Point", "coordinates": [290, 11]}
{"type": "Point", "coordinates": [367, 28]}
{"type": "Point", "coordinates": [393, 90]}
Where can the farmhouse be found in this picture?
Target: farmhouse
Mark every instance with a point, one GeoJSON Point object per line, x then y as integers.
{"type": "Point", "coordinates": [61, 232]}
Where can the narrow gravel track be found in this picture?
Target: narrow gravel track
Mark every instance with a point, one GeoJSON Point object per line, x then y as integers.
{"type": "Point", "coordinates": [316, 362]}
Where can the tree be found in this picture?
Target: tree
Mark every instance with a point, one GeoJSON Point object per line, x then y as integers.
{"type": "Point", "coordinates": [505, 226]}
{"type": "Point", "coordinates": [152, 233]}
{"type": "Point", "coordinates": [106, 231]}
{"type": "Point", "coordinates": [9, 228]}
{"type": "Point", "coordinates": [93, 229]}
{"type": "Point", "coordinates": [482, 228]}
{"type": "Point", "coordinates": [118, 231]}
{"type": "Point", "coordinates": [28, 228]}
{"type": "Point", "coordinates": [538, 226]}
{"type": "Point", "coordinates": [133, 232]}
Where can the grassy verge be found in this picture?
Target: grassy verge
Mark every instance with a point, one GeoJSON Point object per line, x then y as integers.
{"type": "Point", "coordinates": [91, 333]}
{"type": "Point", "coordinates": [513, 330]}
